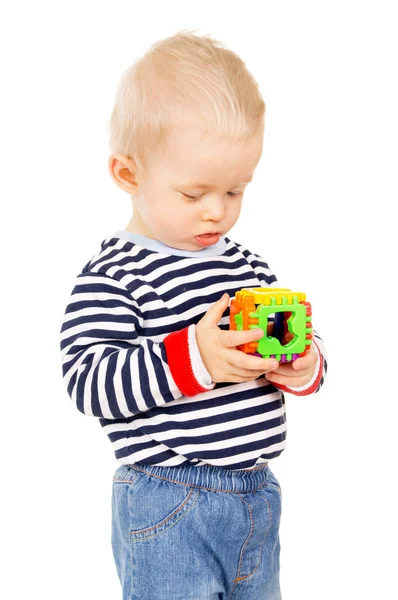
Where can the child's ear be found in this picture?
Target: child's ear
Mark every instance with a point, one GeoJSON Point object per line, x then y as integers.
{"type": "Point", "coordinates": [122, 169]}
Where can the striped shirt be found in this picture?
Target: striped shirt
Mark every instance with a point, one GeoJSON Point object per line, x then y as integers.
{"type": "Point", "coordinates": [130, 358]}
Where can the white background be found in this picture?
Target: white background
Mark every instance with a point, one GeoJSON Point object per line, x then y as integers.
{"type": "Point", "coordinates": [320, 211]}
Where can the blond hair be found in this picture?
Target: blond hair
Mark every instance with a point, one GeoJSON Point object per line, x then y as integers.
{"type": "Point", "coordinates": [183, 80]}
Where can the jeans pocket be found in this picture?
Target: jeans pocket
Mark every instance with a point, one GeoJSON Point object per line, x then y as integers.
{"type": "Point", "coordinates": [156, 505]}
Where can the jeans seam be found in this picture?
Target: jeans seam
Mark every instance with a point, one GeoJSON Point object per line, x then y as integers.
{"type": "Point", "coordinates": [247, 539]}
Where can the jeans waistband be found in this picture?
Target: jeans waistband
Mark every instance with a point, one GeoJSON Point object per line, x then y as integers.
{"type": "Point", "coordinates": [208, 476]}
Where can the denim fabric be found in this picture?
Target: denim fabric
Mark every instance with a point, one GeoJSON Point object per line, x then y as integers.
{"type": "Point", "coordinates": [196, 533]}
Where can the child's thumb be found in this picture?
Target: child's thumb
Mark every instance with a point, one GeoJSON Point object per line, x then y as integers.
{"type": "Point", "coordinates": [223, 301]}
{"type": "Point", "coordinates": [216, 311]}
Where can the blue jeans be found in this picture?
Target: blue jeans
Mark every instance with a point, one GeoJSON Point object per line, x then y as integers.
{"type": "Point", "coordinates": [196, 533]}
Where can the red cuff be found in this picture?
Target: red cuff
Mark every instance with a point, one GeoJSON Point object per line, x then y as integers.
{"type": "Point", "coordinates": [179, 361]}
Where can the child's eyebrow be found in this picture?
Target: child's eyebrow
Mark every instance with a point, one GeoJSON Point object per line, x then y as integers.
{"type": "Point", "coordinates": [205, 185]}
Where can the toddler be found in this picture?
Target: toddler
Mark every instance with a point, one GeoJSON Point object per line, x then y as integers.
{"type": "Point", "coordinates": [146, 345]}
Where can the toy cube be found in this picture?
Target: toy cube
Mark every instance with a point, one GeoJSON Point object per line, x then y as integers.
{"type": "Point", "coordinates": [286, 310]}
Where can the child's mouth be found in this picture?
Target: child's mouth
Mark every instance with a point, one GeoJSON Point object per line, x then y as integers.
{"type": "Point", "coordinates": [208, 239]}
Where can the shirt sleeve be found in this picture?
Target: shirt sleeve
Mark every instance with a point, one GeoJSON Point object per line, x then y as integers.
{"type": "Point", "coordinates": [109, 368]}
{"type": "Point", "coordinates": [268, 279]}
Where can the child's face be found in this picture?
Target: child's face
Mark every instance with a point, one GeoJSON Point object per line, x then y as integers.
{"type": "Point", "coordinates": [216, 173]}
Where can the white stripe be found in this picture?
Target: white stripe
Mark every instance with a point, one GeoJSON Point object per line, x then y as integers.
{"type": "Point", "coordinates": [96, 356]}
{"type": "Point", "coordinates": [102, 395]}
{"type": "Point", "coordinates": [118, 385]}
{"type": "Point", "coordinates": [153, 385]}
{"type": "Point", "coordinates": [97, 310]}
{"type": "Point", "coordinates": [135, 383]}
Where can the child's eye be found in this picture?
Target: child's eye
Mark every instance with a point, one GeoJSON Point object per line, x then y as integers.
{"type": "Point", "coordinates": [193, 198]}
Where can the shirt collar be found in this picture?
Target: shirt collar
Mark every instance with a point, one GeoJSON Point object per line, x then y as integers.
{"type": "Point", "coordinates": [157, 246]}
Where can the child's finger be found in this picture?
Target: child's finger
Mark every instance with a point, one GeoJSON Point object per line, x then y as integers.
{"type": "Point", "coordinates": [287, 370]}
{"type": "Point", "coordinates": [306, 361]}
{"type": "Point", "coordinates": [293, 382]}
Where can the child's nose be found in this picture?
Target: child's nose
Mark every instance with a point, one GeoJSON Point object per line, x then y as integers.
{"type": "Point", "coordinates": [214, 209]}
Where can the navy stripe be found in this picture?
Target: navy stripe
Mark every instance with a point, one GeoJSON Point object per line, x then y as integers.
{"type": "Point", "coordinates": [247, 447]}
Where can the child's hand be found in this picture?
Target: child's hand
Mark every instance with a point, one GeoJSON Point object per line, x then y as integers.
{"type": "Point", "coordinates": [297, 373]}
{"type": "Point", "coordinates": [218, 348]}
